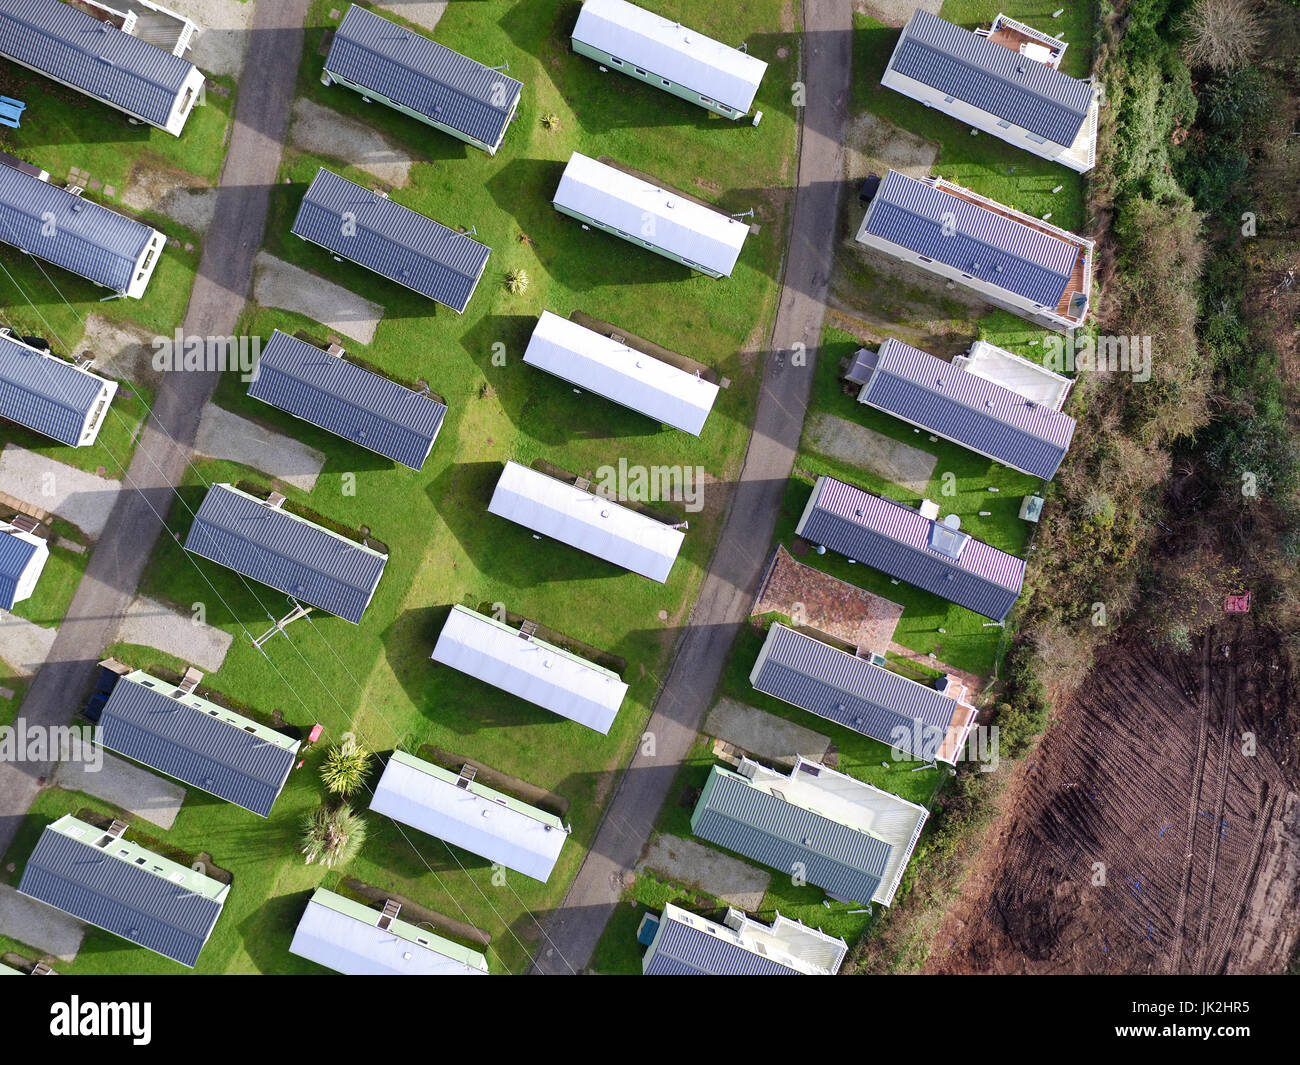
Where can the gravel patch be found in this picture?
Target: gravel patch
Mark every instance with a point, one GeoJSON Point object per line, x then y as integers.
{"type": "Point", "coordinates": [24, 645]}
{"type": "Point", "coordinates": [182, 197]}
{"type": "Point", "coordinates": [125, 785]}
{"type": "Point", "coordinates": [897, 463]}
{"type": "Point", "coordinates": [223, 435]}
{"type": "Point", "coordinates": [280, 284]}
{"type": "Point", "coordinates": [49, 930]}
{"type": "Point", "coordinates": [875, 146]}
{"type": "Point", "coordinates": [422, 14]}
{"type": "Point", "coordinates": [219, 46]}
{"type": "Point", "coordinates": [72, 494]}
{"type": "Point", "coordinates": [120, 350]}
{"type": "Point", "coordinates": [764, 735]}
{"type": "Point", "coordinates": [153, 624]}
{"type": "Point", "coordinates": [683, 861]}
{"type": "Point", "coordinates": [894, 12]}
{"type": "Point", "coordinates": [326, 132]}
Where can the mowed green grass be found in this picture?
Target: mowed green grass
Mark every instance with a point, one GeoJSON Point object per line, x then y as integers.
{"type": "Point", "coordinates": [376, 679]}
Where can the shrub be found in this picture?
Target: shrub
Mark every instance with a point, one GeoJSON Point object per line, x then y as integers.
{"type": "Point", "coordinates": [1222, 34]}
{"type": "Point", "coordinates": [517, 282]}
{"type": "Point", "coordinates": [345, 768]}
{"type": "Point", "coordinates": [332, 835]}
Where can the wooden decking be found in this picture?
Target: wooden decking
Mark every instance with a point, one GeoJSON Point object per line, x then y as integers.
{"type": "Point", "coordinates": [1079, 276]}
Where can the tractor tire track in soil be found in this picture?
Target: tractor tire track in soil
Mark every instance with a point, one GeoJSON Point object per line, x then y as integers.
{"type": "Point", "coordinates": [1134, 837]}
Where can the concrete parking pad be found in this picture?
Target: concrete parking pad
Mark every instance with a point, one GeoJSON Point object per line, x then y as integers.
{"type": "Point", "coordinates": [280, 284]}
{"type": "Point", "coordinates": [424, 13]}
{"type": "Point", "coordinates": [223, 435]}
{"type": "Point", "coordinates": [153, 624]}
{"type": "Point", "coordinates": [897, 463]}
{"type": "Point", "coordinates": [125, 785]}
{"type": "Point", "coordinates": [684, 861]}
{"type": "Point", "coordinates": [72, 494]}
{"type": "Point", "coordinates": [324, 131]}
{"type": "Point", "coordinates": [222, 41]}
{"type": "Point", "coordinates": [764, 735]}
{"type": "Point", "coordinates": [24, 645]}
{"type": "Point", "coordinates": [49, 930]}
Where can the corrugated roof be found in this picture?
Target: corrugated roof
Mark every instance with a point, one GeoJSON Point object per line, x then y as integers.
{"type": "Point", "coordinates": [766, 829]}
{"type": "Point", "coordinates": [995, 79]}
{"type": "Point", "coordinates": [317, 567]}
{"type": "Point", "coordinates": [423, 75]}
{"type": "Point", "coordinates": [852, 692]}
{"type": "Point", "coordinates": [96, 57]}
{"type": "Point", "coordinates": [347, 400]}
{"type": "Point", "coordinates": [345, 936]}
{"type": "Point", "coordinates": [651, 216]}
{"type": "Point", "coordinates": [16, 554]}
{"type": "Point", "coordinates": [119, 895]}
{"type": "Point", "coordinates": [586, 521]}
{"type": "Point", "coordinates": [638, 381]}
{"type": "Point", "coordinates": [682, 949]}
{"type": "Point", "coordinates": [981, 414]}
{"type": "Point", "coordinates": [991, 247]}
{"type": "Point", "coordinates": [190, 739]}
{"type": "Point", "coordinates": [531, 669]}
{"type": "Point", "coordinates": [671, 50]}
{"type": "Point", "coordinates": [394, 241]}
{"type": "Point", "coordinates": [45, 393]}
{"type": "Point", "coordinates": [474, 818]}
{"type": "Point", "coordinates": [86, 239]}
{"type": "Point", "coordinates": [896, 540]}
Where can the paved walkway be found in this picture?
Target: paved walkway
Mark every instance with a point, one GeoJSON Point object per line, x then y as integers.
{"type": "Point", "coordinates": [126, 785]}
{"type": "Point", "coordinates": [225, 274]}
{"type": "Point", "coordinates": [574, 929]}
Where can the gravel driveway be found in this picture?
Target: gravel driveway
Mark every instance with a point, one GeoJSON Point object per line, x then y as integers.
{"type": "Point", "coordinates": [74, 495]}
{"type": "Point", "coordinates": [280, 284]}
{"type": "Point", "coordinates": [49, 930]}
{"type": "Point", "coordinates": [24, 645]}
{"type": "Point", "coordinates": [154, 624]}
{"type": "Point", "coordinates": [326, 132]}
{"type": "Point", "coordinates": [686, 862]}
{"type": "Point", "coordinates": [901, 464]}
{"type": "Point", "coordinates": [223, 435]}
{"type": "Point", "coordinates": [129, 787]}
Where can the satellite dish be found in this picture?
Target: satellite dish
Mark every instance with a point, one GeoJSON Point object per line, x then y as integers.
{"type": "Point", "coordinates": [951, 521]}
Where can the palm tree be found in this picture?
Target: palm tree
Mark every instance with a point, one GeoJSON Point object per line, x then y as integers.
{"type": "Point", "coordinates": [345, 768]}
{"type": "Point", "coordinates": [332, 835]}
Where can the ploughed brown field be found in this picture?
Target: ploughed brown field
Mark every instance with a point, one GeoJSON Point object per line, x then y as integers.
{"type": "Point", "coordinates": [1145, 772]}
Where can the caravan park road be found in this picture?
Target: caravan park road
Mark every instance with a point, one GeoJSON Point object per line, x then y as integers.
{"type": "Point", "coordinates": [572, 931]}
{"type": "Point", "coordinates": [225, 273]}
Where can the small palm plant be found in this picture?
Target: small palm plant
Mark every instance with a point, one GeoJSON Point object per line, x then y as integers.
{"type": "Point", "coordinates": [551, 120]}
{"type": "Point", "coordinates": [332, 835]}
{"type": "Point", "coordinates": [517, 281]}
{"type": "Point", "coordinates": [345, 768]}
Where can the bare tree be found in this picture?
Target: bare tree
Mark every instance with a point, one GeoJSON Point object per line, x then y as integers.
{"type": "Point", "coordinates": [1222, 34]}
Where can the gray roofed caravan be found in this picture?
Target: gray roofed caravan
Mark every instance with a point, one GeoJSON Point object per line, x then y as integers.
{"type": "Point", "coordinates": [860, 695]}
{"type": "Point", "coordinates": [389, 62]}
{"type": "Point", "coordinates": [971, 68]}
{"type": "Point", "coordinates": [851, 839]}
{"type": "Point", "coordinates": [903, 543]}
{"type": "Point", "coordinates": [77, 234]}
{"type": "Point", "coordinates": [196, 741]}
{"type": "Point", "coordinates": [277, 548]}
{"type": "Point", "coordinates": [51, 396]}
{"type": "Point", "coordinates": [686, 944]}
{"type": "Point", "coordinates": [402, 245]}
{"type": "Point", "coordinates": [323, 388]}
{"type": "Point", "coordinates": [22, 558]}
{"type": "Point", "coordinates": [124, 888]}
{"type": "Point", "coordinates": [94, 56]}
{"type": "Point", "coordinates": [963, 407]}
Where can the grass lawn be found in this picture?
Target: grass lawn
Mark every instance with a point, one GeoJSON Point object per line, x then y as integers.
{"type": "Point", "coordinates": [376, 679]}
